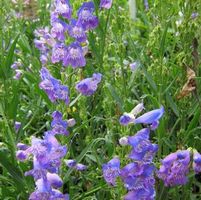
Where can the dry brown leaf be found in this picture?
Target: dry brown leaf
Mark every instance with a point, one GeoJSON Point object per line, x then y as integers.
{"type": "Point", "coordinates": [189, 86]}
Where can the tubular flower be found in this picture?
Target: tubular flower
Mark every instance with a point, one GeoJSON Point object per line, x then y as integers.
{"type": "Point", "coordinates": [58, 51]}
{"type": "Point", "coordinates": [63, 8]}
{"type": "Point", "coordinates": [86, 17]}
{"type": "Point", "coordinates": [128, 118]}
{"type": "Point", "coordinates": [58, 30]}
{"type": "Point", "coordinates": [17, 126]}
{"type": "Point", "coordinates": [174, 168]}
{"type": "Point", "coordinates": [88, 86]}
{"type": "Point", "coordinates": [142, 148]}
{"type": "Point", "coordinates": [111, 171]}
{"type": "Point", "coordinates": [74, 56]}
{"type": "Point", "coordinates": [197, 162]}
{"type": "Point", "coordinates": [76, 31]}
{"type": "Point", "coordinates": [53, 87]}
{"type": "Point", "coordinates": [73, 164]}
{"type": "Point", "coordinates": [150, 117]}
{"type": "Point", "coordinates": [139, 180]}
{"type": "Point", "coordinates": [107, 4]}
{"type": "Point", "coordinates": [58, 125]}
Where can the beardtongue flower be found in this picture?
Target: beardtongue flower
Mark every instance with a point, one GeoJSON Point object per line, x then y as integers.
{"type": "Point", "coordinates": [58, 125]}
{"type": "Point", "coordinates": [44, 191]}
{"type": "Point", "coordinates": [74, 56]}
{"type": "Point", "coordinates": [174, 168]}
{"type": "Point", "coordinates": [128, 118]}
{"type": "Point", "coordinates": [111, 171]}
{"type": "Point", "coordinates": [53, 87]}
{"type": "Point", "coordinates": [86, 17]}
{"type": "Point", "coordinates": [106, 4]}
{"type": "Point", "coordinates": [137, 175]}
{"type": "Point", "coordinates": [73, 164]}
{"type": "Point", "coordinates": [142, 148]}
{"type": "Point", "coordinates": [58, 30]}
{"type": "Point", "coordinates": [142, 193]}
{"type": "Point", "coordinates": [197, 162]}
{"type": "Point", "coordinates": [17, 126]}
{"type": "Point", "coordinates": [88, 86]}
{"type": "Point", "coordinates": [76, 31]}
{"type": "Point", "coordinates": [63, 8]}
{"type": "Point", "coordinates": [58, 51]}
{"type": "Point", "coordinates": [18, 74]}
{"type": "Point", "coordinates": [151, 118]}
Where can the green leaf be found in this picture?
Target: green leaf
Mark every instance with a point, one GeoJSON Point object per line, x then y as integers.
{"type": "Point", "coordinates": [9, 57]}
{"type": "Point", "coordinates": [116, 97]}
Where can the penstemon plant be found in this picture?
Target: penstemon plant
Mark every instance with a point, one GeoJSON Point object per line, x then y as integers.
{"type": "Point", "coordinates": [69, 70]}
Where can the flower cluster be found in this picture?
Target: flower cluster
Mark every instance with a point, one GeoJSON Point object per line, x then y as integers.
{"type": "Point", "coordinates": [137, 176]}
{"type": "Point", "coordinates": [47, 154]}
{"type": "Point", "coordinates": [174, 168]}
{"type": "Point", "coordinates": [51, 43]}
{"type": "Point", "coordinates": [44, 43]}
{"type": "Point", "coordinates": [53, 87]}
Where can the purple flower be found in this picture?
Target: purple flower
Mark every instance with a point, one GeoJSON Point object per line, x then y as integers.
{"type": "Point", "coordinates": [58, 51]}
{"type": "Point", "coordinates": [16, 65]}
{"type": "Point", "coordinates": [17, 126]}
{"type": "Point", "coordinates": [111, 171]}
{"type": "Point", "coordinates": [142, 148]}
{"type": "Point", "coordinates": [53, 87]}
{"type": "Point", "coordinates": [142, 193]}
{"type": "Point", "coordinates": [21, 155]}
{"type": "Point", "coordinates": [174, 168]}
{"type": "Point", "coordinates": [86, 17]}
{"type": "Point", "coordinates": [88, 86]}
{"type": "Point", "coordinates": [58, 125]}
{"type": "Point", "coordinates": [197, 162]}
{"type": "Point", "coordinates": [138, 176]}
{"type": "Point", "coordinates": [80, 167]}
{"type": "Point", "coordinates": [22, 146]}
{"type": "Point", "coordinates": [73, 164]}
{"type": "Point", "coordinates": [150, 117]}
{"type": "Point", "coordinates": [106, 4]}
{"type": "Point", "coordinates": [74, 56]}
{"type": "Point", "coordinates": [54, 180]}
{"type": "Point", "coordinates": [43, 59]}
{"type": "Point", "coordinates": [58, 30]}
{"type": "Point", "coordinates": [70, 163]}
{"type": "Point", "coordinates": [128, 118]}
{"type": "Point", "coordinates": [146, 5]}
{"type": "Point", "coordinates": [194, 15]}
{"type": "Point", "coordinates": [62, 7]}
{"type": "Point", "coordinates": [134, 66]}
{"type": "Point", "coordinates": [76, 31]}
{"type": "Point", "coordinates": [18, 74]}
